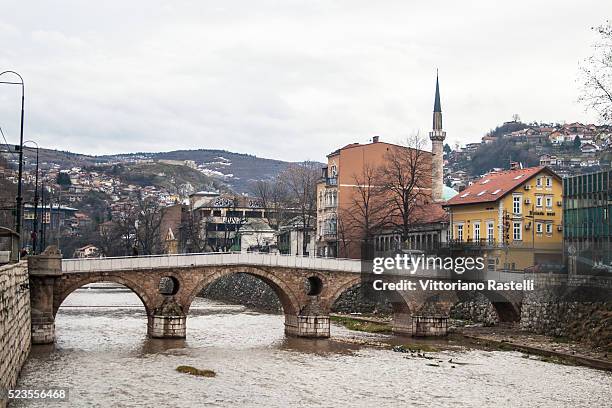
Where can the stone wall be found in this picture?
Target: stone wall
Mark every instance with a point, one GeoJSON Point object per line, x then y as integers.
{"type": "Point", "coordinates": [563, 312]}
{"type": "Point", "coordinates": [14, 323]}
{"type": "Point", "coordinates": [475, 308]}
{"type": "Point", "coordinates": [244, 289]}
{"type": "Point", "coordinates": [252, 292]}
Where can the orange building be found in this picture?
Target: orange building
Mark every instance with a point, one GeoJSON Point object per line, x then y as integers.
{"type": "Point", "coordinates": [345, 181]}
{"type": "Point", "coordinates": [336, 193]}
{"type": "Point", "coordinates": [342, 182]}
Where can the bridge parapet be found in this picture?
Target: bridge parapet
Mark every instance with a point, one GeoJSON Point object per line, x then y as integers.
{"type": "Point", "coordinates": [208, 259]}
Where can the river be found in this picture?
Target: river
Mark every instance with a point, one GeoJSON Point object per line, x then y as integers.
{"type": "Point", "coordinates": [103, 356]}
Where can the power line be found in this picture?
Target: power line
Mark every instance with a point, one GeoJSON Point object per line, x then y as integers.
{"type": "Point", "coordinates": [7, 144]}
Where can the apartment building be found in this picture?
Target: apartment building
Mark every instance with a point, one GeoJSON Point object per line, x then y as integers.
{"type": "Point", "coordinates": [514, 217]}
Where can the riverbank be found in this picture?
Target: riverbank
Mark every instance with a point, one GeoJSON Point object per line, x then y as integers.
{"type": "Point", "coordinates": [559, 350]}
{"type": "Point", "coordinates": [550, 349]}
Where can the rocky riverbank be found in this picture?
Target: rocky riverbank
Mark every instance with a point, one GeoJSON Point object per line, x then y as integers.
{"type": "Point", "coordinates": [559, 349]}
{"type": "Point", "coordinates": [545, 348]}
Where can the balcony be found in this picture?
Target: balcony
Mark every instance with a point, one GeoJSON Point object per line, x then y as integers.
{"type": "Point", "coordinates": [331, 204]}
{"type": "Point", "coordinates": [482, 243]}
{"type": "Point", "coordinates": [329, 235]}
{"type": "Point", "coordinates": [331, 181]}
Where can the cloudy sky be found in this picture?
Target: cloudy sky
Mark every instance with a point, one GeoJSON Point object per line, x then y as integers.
{"type": "Point", "coordinates": [291, 79]}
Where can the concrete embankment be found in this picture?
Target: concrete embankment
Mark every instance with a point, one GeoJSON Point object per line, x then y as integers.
{"type": "Point", "coordinates": [15, 326]}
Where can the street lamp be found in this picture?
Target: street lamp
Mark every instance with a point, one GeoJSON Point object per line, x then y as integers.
{"type": "Point", "coordinates": [35, 224]}
{"type": "Point", "coordinates": [19, 198]}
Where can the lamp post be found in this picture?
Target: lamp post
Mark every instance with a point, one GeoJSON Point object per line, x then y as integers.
{"type": "Point", "coordinates": [19, 198]}
{"type": "Point", "coordinates": [35, 223]}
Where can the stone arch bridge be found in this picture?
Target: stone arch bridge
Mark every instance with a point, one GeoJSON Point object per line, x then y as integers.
{"type": "Point", "coordinates": [168, 284]}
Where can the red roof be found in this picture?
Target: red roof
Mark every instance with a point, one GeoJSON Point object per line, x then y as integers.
{"type": "Point", "coordinates": [428, 214]}
{"type": "Point", "coordinates": [494, 186]}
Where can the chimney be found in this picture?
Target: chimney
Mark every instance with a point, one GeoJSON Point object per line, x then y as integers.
{"type": "Point", "coordinates": [375, 139]}
{"type": "Point", "coordinates": [514, 165]}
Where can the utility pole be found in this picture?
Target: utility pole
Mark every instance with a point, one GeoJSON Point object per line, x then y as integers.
{"type": "Point", "coordinates": [19, 198]}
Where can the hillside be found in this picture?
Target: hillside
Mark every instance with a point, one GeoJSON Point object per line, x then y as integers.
{"type": "Point", "coordinates": [218, 168]}
{"type": "Point", "coordinates": [237, 170]}
{"type": "Point", "coordinates": [168, 176]}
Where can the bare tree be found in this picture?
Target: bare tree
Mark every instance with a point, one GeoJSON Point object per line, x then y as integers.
{"type": "Point", "coordinates": [596, 75]}
{"type": "Point", "coordinates": [405, 180]}
{"type": "Point", "coordinates": [365, 216]}
{"type": "Point", "coordinates": [124, 230]}
{"type": "Point", "coordinates": [233, 221]}
{"type": "Point", "coordinates": [273, 197]}
{"type": "Point", "coordinates": [149, 220]}
{"type": "Point", "coordinates": [343, 235]}
{"type": "Point", "coordinates": [300, 181]}
{"type": "Point", "coordinates": [192, 237]}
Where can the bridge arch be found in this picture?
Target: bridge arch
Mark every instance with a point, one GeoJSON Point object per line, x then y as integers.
{"type": "Point", "coordinates": [69, 285]}
{"type": "Point", "coordinates": [401, 304]}
{"type": "Point", "coordinates": [290, 300]}
{"type": "Point", "coordinates": [507, 305]}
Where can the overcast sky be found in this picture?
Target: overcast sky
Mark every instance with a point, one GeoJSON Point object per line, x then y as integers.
{"type": "Point", "coordinates": [291, 80]}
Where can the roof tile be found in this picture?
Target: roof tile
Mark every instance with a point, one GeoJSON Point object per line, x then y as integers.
{"type": "Point", "coordinates": [493, 186]}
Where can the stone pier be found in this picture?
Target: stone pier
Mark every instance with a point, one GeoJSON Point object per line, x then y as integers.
{"type": "Point", "coordinates": [429, 326]}
{"type": "Point", "coordinates": [44, 269]}
{"type": "Point", "coordinates": [167, 321]}
{"type": "Point", "coordinates": [167, 327]}
{"type": "Point", "coordinates": [402, 324]}
{"type": "Point", "coordinates": [314, 326]}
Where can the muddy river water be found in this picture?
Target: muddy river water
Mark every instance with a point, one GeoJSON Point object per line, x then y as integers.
{"type": "Point", "coordinates": [103, 356]}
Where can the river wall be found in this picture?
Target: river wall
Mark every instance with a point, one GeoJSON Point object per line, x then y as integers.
{"type": "Point", "coordinates": [15, 326]}
{"type": "Point", "coordinates": [475, 308]}
{"type": "Point", "coordinates": [583, 314]}
{"type": "Point", "coordinates": [252, 292]}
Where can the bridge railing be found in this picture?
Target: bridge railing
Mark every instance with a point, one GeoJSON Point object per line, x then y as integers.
{"type": "Point", "coordinates": [206, 259]}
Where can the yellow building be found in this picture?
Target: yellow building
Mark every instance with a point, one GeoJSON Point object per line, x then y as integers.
{"type": "Point", "coordinates": [514, 217]}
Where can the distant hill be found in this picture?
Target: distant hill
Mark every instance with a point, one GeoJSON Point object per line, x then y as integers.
{"type": "Point", "coordinates": [171, 177]}
{"type": "Point", "coordinates": [219, 167]}
{"type": "Point", "coordinates": [234, 169]}
{"type": "Point", "coordinates": [507, 127]}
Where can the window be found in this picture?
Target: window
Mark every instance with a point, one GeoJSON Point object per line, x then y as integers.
{"type": "Point", "coordinates": [549, 228]}
{"type": "Point", "coordinates": [539, 182]}
{"type": "Point", "coordinates": [517, 232]}
{"type": "Point", "coordinates": [548, 182]}
{"type": "Point", "coordinates": [539, 227]}
{"type": "Point", "coordinates": [539, 201]}
{"type": "Point", "coordinates": [496, 191]}
{"type": "Point", "coordinates": [490, 264]}
{"type": "Point", "coordinates": [490, 232]}
{"type": "Point", "coordinates": [460, 232]}
{"type": "Point", "coordinates": [476, 231]}
{"type": "Point", "coordinates": [516, 204]}
{"type": "Point", "coordinates": [549, 201]}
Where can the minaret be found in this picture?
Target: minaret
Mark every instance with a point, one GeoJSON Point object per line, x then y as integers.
{"type": "Point", "coordinates": [437, 136]}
